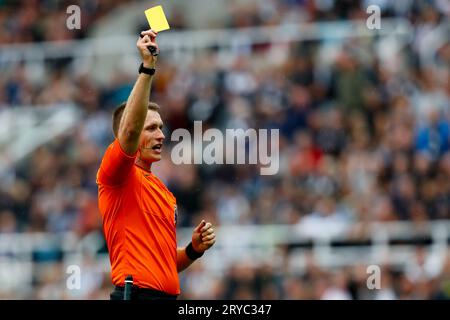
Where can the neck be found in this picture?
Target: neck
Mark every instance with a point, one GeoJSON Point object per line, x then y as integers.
{"type": "Point", "coordinates": [144, 164]}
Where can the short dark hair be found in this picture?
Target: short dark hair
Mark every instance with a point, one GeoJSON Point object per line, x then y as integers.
{"type": "Point", "coordinates": [117, 115]}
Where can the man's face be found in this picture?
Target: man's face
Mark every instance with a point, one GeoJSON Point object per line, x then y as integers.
{"type": "Point", "coordinates": [152, 137]}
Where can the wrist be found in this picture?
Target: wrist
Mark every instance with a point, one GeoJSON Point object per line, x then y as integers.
{"type": "Point", "coordinates": [149, 64]}
{"type": "Point", "coordinates": [192, 253]}
{"type": "Point", "coordinates": [146, 70]}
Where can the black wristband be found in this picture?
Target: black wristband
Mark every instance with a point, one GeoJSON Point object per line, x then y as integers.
{"type": "Point", "coordinates": [191, 253]}
{"type": "Point", "coordinates": [149, 71]}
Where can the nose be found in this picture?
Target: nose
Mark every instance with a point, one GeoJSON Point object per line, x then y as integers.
{"type": "Point", "coordinates": [161, 135]}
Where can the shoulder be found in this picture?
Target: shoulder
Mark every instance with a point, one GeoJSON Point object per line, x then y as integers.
{"type": "Point", "coordinates": [116, 148]}
{"type": "Point", "coordinates": [116, 166]}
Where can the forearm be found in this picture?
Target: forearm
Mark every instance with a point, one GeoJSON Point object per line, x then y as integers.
{"type": "Point", "coordinates": [136, 108]}
{"type": "Point", "coordinates": [182, 260]}
{"type": "Point", "coordinates": [203, 238]}
{"type": "Point", "coordinates": [135, 113]}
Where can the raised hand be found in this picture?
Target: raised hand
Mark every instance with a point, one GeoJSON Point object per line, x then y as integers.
{"type": "Point", "coordinates": [147, 39]}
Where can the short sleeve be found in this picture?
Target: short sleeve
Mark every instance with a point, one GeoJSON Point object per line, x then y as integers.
{"type": "Point", "coordinates": [116, 165]}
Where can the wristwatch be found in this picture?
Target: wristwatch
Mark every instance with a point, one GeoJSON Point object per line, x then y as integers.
{"type": "Point", "coordinates": [150, 71]}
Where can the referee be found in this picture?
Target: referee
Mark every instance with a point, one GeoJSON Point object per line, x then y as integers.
{"type": "Point", "coordinates": [138, 211]}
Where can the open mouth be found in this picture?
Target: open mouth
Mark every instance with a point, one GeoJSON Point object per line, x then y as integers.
{"type": "Point", "coordinates": [157, 147]}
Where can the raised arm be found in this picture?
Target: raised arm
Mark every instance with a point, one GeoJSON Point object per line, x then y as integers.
{"type": "Point", "coordinates": [135, 112]}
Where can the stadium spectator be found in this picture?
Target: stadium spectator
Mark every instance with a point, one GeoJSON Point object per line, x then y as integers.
{"type": "Point", "coordinates": [363, 139]}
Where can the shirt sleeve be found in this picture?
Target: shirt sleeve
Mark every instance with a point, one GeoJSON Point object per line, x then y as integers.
{"type": "Point", "coordinates": [116, 165]}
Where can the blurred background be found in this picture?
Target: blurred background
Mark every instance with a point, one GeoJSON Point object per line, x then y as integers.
{"type": "Point", "coordinates": [364, 120]}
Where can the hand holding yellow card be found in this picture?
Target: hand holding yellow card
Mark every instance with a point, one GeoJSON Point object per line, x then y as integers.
{"type": "Point", "coordinates": [157, 19]}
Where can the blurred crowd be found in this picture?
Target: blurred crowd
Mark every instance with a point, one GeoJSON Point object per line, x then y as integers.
{"type": "Point", "coordinates": [421, 280]}
{"type": "Point", "coordinates": [362, 139]}
{"type": "Point", "coordinates": [23, 21]}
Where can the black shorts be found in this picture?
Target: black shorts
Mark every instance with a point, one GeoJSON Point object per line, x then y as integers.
{"type": "Point", "coordinates": [141, 294]}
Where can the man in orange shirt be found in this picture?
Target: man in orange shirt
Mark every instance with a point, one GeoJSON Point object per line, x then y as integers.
{"type": "Point", "coordinates": [138, 211]}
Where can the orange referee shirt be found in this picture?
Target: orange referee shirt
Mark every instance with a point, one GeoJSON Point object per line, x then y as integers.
{"type": "Point", "coordinates": [139, 217]}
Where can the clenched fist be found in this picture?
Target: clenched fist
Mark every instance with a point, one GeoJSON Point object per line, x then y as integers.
{"type": "Point", "coordinates": [203, 237]}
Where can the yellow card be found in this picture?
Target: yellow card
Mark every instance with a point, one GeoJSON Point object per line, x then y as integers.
{"type": "Point", "coordinates": [157, 19]}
